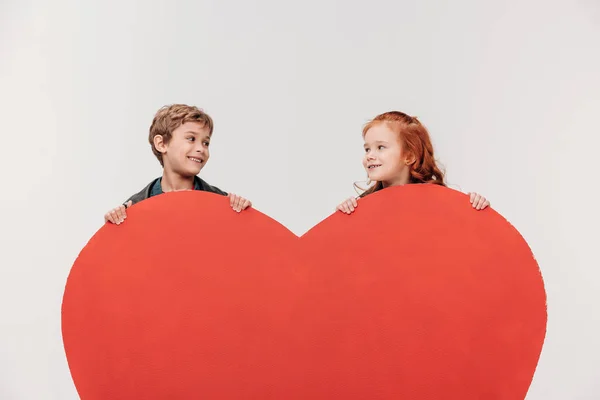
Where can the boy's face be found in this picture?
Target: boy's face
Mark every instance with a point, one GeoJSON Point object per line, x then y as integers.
{"type": "Point", "coordinates": [187, 151]}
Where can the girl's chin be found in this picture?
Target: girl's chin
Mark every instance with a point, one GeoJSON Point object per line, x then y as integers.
{"type": "Point", "coordinates": [376, 177]}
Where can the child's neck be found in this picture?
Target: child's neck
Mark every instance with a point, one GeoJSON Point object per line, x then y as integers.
{"type": "Point", "coordinates": [172, 182]}
{"type": "Point", "coordinates": [397, 182]}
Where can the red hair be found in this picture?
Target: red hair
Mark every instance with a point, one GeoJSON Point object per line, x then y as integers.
{"type": "Point", "coordinates": [416, 145]}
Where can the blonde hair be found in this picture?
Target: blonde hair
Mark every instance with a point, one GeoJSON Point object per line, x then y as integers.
{"type": "Point", "coordinates": [170, 117]}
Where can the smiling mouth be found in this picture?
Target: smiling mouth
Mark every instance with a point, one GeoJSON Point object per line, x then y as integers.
{"type": "Point", "coordinates": [198, 160]}
{"type": "Point", "coordinates": [374, 166]}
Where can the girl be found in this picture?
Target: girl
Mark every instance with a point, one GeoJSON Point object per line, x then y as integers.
{"type": "Point", "coordinates": [398, 151]}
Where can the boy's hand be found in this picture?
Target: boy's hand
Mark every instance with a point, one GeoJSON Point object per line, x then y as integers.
{"type": "Point", "coordinates": [238, 203]}
{"type": "Point", "coordinates": [118, 214]}
{"type": "Point", "coordinates": [348, 205]}
{"type": "Point", "coordinates": [478, 201]}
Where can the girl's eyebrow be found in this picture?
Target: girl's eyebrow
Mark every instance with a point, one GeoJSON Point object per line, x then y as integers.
{"type": "Point", "coordinates": [376, 142]}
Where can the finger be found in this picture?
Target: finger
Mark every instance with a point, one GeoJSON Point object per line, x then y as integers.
{"type": "Point", "coordinates": [486, 204]}
{"type": "Point", "coordinates": [234, 198]}
{"type": "Point", "coordinates": [115, 217]}
{"type": "Point", "coordinates": [343, 207]}
{"type": "Point", "coordinates": [476, 200]}
{"type": "Point", "coordinates": [231, 199]}
{"type": "Point", "coordinates": [246, 204]}
{"type": "Point", "coordinates": [107, 217]}
{"type": "Point", "coordinates": [472, 197]}
{"type": "Point", "coordinates": [346, 208]}
{"type": "Point", "coordinates": [354, 202]}
{"type": "Point", "coordinates": [121, 213]}
{"type": "Point", "coordinates": [129, 204]}
{"type": "Point", "coordinates": [481, 203]}
{"type": "Point", "coordinates": [238, 204]}
{"type": "Point", "coordinates": [117, 211]}
{"type": "Point", "coordinates": [350, 205]}
{"type": "Point", "coordinates": [234, 202]}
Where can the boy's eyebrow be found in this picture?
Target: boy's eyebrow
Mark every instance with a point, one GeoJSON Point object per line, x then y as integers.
{"type": "Point", "coordinates": [196, 134]}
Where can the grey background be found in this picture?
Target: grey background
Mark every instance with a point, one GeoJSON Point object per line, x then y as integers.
{"type": "Point", "coordinates": [509, 90]}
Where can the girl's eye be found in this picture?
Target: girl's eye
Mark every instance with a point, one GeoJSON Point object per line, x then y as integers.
{"type": "Point", "coordinates": [191, 138]}
{"type": "Point", "coordinates": [381, 147]}
{"type": "Point", "coordinates": [367, 150]}
{"type": "Point", "coordinates": [207, 144]}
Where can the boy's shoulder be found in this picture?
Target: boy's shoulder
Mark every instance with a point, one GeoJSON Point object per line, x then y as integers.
{"type": "Point", "coordinates": [142, 194]}
{"type": "Point", "coordinates": [146, 192]}
{"type": "Point", "coordinates": [206, 187]}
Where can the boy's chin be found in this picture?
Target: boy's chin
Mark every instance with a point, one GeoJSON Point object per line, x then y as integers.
{"type": "Point", "coordinates": [196, 168]}
{"type": "Point", "coordinates": [189, 172]}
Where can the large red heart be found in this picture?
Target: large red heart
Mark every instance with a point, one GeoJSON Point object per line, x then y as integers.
{"type": "Point", "coordinates": [414, 296]}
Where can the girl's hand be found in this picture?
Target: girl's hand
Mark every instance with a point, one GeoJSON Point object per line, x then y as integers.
{"type": "Point", "coordinates": [478, 201]}
{"type": "Point", "coordinates": [348, 206]}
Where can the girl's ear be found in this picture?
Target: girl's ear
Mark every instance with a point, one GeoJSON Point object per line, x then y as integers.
{"type": "Point", "coordinates": [160, 144]}
{"type": "Point", "coordinates": [409, 159]}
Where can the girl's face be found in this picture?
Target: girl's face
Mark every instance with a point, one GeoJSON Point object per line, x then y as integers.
{"type": "Point", "coordinates": [384, 158]}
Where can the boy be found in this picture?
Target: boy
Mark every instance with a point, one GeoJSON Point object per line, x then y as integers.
{"type": "Point", "coordinates": [180, 136]}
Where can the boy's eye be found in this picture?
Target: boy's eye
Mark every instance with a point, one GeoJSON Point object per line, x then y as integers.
{"type": "Point", "coordinates": [381, 147]}
{"type": "Point", "coordinates": [207, 144]}
{"type": "Point", "coordinates": [367, 150]}
{"type": "Point", "coordinates": [191, 138]}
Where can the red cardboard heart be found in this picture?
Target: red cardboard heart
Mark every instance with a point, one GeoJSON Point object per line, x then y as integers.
{"type": "Point", "coordinates": [413, 296]}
